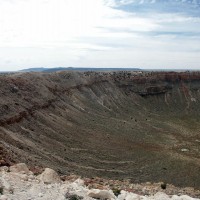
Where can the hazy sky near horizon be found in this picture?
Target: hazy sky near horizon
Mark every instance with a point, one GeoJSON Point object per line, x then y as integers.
{"type": "Point", "coordinates": [99, 33]}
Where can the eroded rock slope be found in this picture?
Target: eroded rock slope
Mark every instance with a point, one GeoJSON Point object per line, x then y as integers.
{"type": "Point", "coordinates": [138, 126]}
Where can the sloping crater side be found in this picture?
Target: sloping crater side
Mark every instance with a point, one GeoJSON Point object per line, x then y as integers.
{"type": "Point", "coordinates": [143, 126]}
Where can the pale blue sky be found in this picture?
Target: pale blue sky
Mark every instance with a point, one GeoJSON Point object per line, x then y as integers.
{"type": "Point", "coordinates": [100, 33]}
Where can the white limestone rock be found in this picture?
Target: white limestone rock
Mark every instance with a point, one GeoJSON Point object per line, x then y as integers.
{"type": "Point", "coordinates": [4, 169]}
{"type": "Point", "coordinates": [129, 196]}
{"type": "Point", "coordinates": [79, 182]}
{"type": "Point", "coordinates": [3, 197]}
{"type": "Point", "coordinates": [6, 185]}
{"type": "Point", "coordinates": [183, 197]}
{"type": "Point", "coordinates": [101, 194]}
{"type": "Point", "coordinates": [49, 176]}
{"type": "Point", "coordinates": [19, 176]}
{"type": "Point", "coordinates": [161, 195]}
{"type": "Point", "coordinates": [40, 195]}
{"type": "Point", "coordinates": [20, 168]}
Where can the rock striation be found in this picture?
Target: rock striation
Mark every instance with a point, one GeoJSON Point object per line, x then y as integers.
{"type": "Point", "coordinates": [120, 125]}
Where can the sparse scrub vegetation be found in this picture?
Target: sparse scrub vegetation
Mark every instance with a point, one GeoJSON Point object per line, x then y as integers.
{"type": "Point", "coordinates": [163, 186]}
{"type": "Point", "coordinates": [116, 191]}
{"type": "Point", "coordinates": [69, 196]}
{"type": "Point", "coordinates": [1, 190]}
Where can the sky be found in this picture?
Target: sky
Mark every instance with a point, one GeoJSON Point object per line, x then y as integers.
{"type": "Point", "coordinates": [149, 34]}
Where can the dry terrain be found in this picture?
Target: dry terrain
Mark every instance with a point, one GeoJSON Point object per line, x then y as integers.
{"type": "Point", "coordinates": [141, 126]}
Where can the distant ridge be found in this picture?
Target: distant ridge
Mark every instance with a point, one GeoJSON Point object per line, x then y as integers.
{"type": "Point", "coordinates": [34, 69]}
{"type": "Point", "coordinates": [77, 69]}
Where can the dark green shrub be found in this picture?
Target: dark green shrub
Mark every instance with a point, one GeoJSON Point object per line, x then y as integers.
{"type": "Point", "coordinates": [72, 196]}
{"type": "Point", "coordinates": [1, 190]}
{"type": "Point", "coordinates": [163, 186]}
{"type": "Point", "coordinates": [116, 191]}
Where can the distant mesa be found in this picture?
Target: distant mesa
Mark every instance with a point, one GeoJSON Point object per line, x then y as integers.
{"type": "Point", "coordinates": [43, 69]}
{"type": "Point", "coordinates": [34, 69]}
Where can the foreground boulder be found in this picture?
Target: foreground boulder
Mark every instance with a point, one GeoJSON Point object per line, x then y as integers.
{"type": "Point", "coordinates": [49, 176]}
{"type": "Point", "coordinates": [130, 196]}
{"type": "Point", "coordinates": [101, 194]}
{"type": "Point", "coordinates": [20, 168]}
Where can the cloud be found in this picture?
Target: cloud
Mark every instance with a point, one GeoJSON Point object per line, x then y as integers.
{"type": "Point", "coordinates": [47, 22]}
{"type": "Point", "coordinates": [113, 32]}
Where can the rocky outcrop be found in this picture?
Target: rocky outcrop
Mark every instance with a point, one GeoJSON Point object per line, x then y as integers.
{"type": "Point", "coordinates": [153, 83]}
{"type": "Point", "coordinates": [144, 84]}
{"type": "Point", "coordinates": [154, 90]}
{"type": "Point", "coordinates": [14, 186]}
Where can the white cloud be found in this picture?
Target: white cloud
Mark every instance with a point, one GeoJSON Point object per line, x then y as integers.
{"type": "Point", "coordinates": [125, 2]}
{"type": "Point", "coordinates": [36, 33]}
{"type": "Point", "coordinates": [40, 22]}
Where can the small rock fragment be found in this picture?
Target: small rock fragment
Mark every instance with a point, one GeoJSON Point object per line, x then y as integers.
{"type": "Point", "coordinates": [101, 194]}
{"type": "Point", "coordinates": [184, 150]}
{"type": "Point", "coordinates": [40, 195]}
{"type": "Point", "coordinates": [128, 196]}
{"type": "Point", "coordinates": [3, 197]}
{"type": "Point", "coordinates": [4, 169]}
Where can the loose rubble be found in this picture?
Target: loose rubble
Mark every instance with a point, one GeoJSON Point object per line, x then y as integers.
{"type": "Point", "coordinates": [18, 183]}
